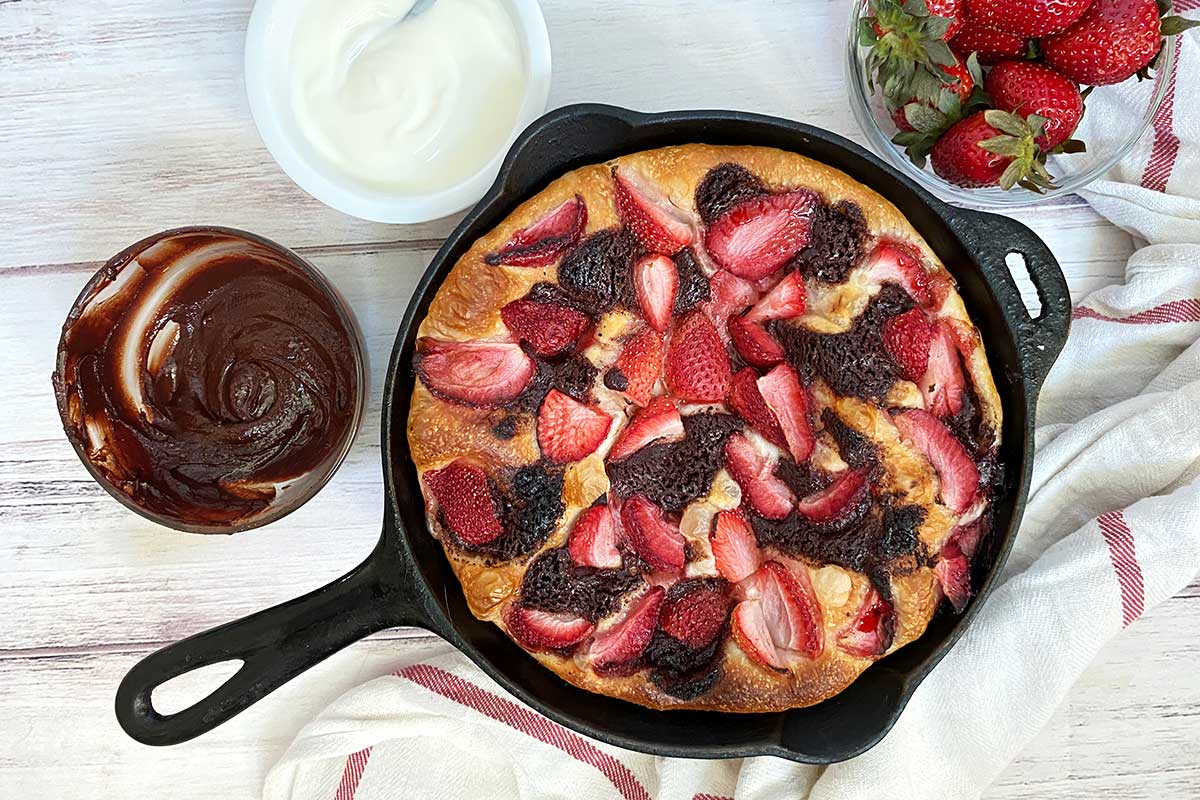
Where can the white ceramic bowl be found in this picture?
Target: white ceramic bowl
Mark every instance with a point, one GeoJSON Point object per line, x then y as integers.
{"type": "Point", "coordinates": [268, 42]}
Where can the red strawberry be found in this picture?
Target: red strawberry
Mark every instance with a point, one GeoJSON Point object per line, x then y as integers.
{"type": "Point", "coordinates": [655, 539]}
{"type": "Point", "coordinates": [962, 84]}
{"type": "Point", "coordinates": [836, 499]}
{"type": "Point", "coordinates": [989, 44]}
{"type": "Point", "coordinates": [659, 420]}
{"type": "Point", "coordinates": [951, 10]}
{"type": "Point", "coordinates": [954, 576]}
{"type": "Point", "coordinates": [593, 540]}
{"type": "Point", "coordinates": [758, 236]}
{"type": "Point", "coordinates": [991, 148]}
{"type": "Point", "coordinates": [568, 430]}
{"type": "Point", "coordinates": [753, 343]}
{"type": "Point", "coordinates": [543, 630]}
{"type": "Point", "coordinates": [791, 615]}
{"type": "Point", "coordinates": [788, 299]}
{"type": "Point", "coordinates": [543, 242]}
{"type": "Point", "coordinates": [873, 629]}
{"type": "Point", "coordinates": [475, 373]}
{"type": "Point", "coordinates": [781, 391]}
{"type": "Point", "coordinates": [965, 538]}
{"type": "Point", "coordinates": [730, 294]}
{"type": "Point", "coordinates": [621, 644]}
{"type": "Point", "coordinates": [464, 497]}
{"type": "Point", "coordinates": [755, 473]}
{"type": "Point", "coordinates": [548, 327]}
{"type": "Point", "coordinates": [907, 49]}
{"type": "Point", "coordinates": [655, 280]}
{"type": "Point", "coordinates": [1031, 18]}
{"type": "Point", "coordinates": [697, 365]}
{"type": "Point", "coordinates": [907, 337]}
{"type": "Point", "coordinates": [894, 261]}
{"type": "Point", "coordinates": [750, 631]}
{"type": "Point", "coordinates": [734, 547]}
{"type": "Point", "coordinates": [1025, 88]}
{"type": "Point", "coordinates": [1112, 41]}
{"type": "Point", "coordinates": [696, 615]}
{"type": "Point", "coordinates": [653, 219]}
{"type": "Point", "coordinates": [956, 470]}
{"type": "Point", "coordinates": [640, 364]}
{"type": "Point", "coordinates": [748, 403]}
{"type": "Point", "coordinates": [943, 384]}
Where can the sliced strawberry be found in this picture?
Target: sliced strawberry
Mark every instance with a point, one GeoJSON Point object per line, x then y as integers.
{"type": "Point", "coordinates": [659, 420]}
{"type": "Point", "coordinates": [548, 327]}
{"type": "Point", "coordinates": [781, 390]}
{"type": "Point", "coordinates": [621, 644]}
{"type": "Point", "coordinates": [873, 629]}
{"type": "Point", "coordinates": [568, 430]}
{"type": "Point", "coordinates": [894, 261]}
{"type": "Point", "coordinates": [730, 294]}
{"type": "Point", "coordinates": [734, 547]}
{"type": "Point", "coordinates": [464, 496]}
{"type": "Point", "coordinates": [658, 224]}
{"type": "Point", "coordinates": [954, 576]}
{"type": "Point", "coordinates": [748, 403]}
{"type": "Point", "coordinates": [695, 615]}
{"type": "Point", "coordinates": [790, 608]}
{"type": "Point", "coordinates": [788, 299]}
{"type": "Point", "coordinates": [655, 280]}
{"type": "Point", "coordinates": [697, 365]}
{"type": "Point", "coordinates": [760, 235]}
{"type": "Point", "coordinates": [544, 241]}
{"type": "Point", "coordinates": [942, 383]}
{"type": "Point", "coordinates": [907, 337]}
{"type": "Point", "coordinates": [593, 541]}
{"type": "Point", "coordinates": [965, 538]}
{"type": "Point", "coordinates": [543, 630]}
{"type": "Point", "coordinates": [751, 633]}
{"type": "Point", "coordinates": [640, 364]}
{"type": "Point", "coordinates": [956, 470]}
{"type": "Point", "coordinates": [755, 473]}
{"type": "Point", "coordinates": [654, 538]}
{"type": "Point", "coordinates": [837, 499]}
{"type": "Point", "coordinates": [754, 344]}
{"type": "Point", "coordinates": [474, 373]}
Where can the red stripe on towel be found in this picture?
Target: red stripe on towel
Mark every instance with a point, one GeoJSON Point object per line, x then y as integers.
{"type": "Point", "coordinates": [522, 719]}
{"type": "Point", "coordinates": [356, 765]}
{"type": "Point", "coordinates": [1166, 143]}
{"type": "Point", "coordinates": [1175, 311]}
{"type": "Point", "coordinates": [1123, 553]}
{"type": "Point", "coordinates": [710, 797]}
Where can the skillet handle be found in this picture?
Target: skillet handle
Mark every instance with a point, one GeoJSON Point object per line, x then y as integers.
{"type": "Point", "coordinates": [992, 238]}
{"type": "Point", "coordinates": [274, 645]}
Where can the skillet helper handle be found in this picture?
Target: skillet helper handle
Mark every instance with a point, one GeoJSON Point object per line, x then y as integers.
{"type": "Point", "coordinates": [274, 645]}
{"type": "Point", "coordinates": [993, 238]}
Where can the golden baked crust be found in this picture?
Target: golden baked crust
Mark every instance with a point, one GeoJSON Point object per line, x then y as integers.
{"type": "Point", "coordinates": [468, 307]}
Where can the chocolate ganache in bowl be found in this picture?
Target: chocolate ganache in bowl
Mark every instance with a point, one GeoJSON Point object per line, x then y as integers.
{"type": "Point", "coordinates": [210, 379]}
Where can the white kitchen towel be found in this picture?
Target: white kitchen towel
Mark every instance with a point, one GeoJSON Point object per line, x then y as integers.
{"type": "Point", "coordinates": [1112, 527]}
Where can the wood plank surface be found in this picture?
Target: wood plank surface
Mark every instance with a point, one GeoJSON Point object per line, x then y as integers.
{"type": "Point", "coordinates": [122, 117]}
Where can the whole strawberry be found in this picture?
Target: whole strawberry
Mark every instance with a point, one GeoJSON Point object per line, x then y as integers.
{"type": "Point", "coordinates": [1026, 88]}
{"type": "Point", "coordinates": [908, 50]}
{"type": "Point", "coordinates": [1031, 18]}
{"type": "Point", "coordinates": [992, 148]}
{"type": "Point", "coordinates": [989, 44]}
{"type": "Point", "coordinates": [962, 86]}
{"type": "Point", "coordinates": [1113, 41]}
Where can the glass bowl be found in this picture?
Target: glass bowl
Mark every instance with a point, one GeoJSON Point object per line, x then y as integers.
{"type": "Point", "coordinates": [1071, 172]}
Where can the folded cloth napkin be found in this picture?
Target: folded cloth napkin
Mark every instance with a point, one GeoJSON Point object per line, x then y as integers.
{"type": "Point", "coordinates": [1112, 527]}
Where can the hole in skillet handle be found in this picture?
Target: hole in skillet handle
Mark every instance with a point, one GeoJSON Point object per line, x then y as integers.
{"type": "Point", "coordinates": [1019, 269]}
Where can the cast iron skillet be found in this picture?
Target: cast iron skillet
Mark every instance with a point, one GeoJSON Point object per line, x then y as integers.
{"type": "Point", "coordinates": [407, 580]}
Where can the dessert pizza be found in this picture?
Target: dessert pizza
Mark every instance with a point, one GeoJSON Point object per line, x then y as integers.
{"type": "Point", "coordinates": [705, 427]}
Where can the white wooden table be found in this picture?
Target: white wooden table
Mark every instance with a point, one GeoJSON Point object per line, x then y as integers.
{"type": "Point", "coordinates": [122, 117]}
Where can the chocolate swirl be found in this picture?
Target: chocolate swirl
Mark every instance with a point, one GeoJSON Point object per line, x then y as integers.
{"type": "Point", "coordinates": [209, 378]}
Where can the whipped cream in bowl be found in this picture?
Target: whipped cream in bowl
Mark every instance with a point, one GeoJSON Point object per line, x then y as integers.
{"type": "Point", "coordinates": [393, 117]}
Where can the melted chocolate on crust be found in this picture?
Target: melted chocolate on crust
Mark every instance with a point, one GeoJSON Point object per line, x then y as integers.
{"type": "Point", "coordinates": [679, 669]}
{"type": "Point", "coordinates": [723, 187]}
{"type": "Point", "coordinates": [532, 505]}
{"type": "Point", "coordinates": [554, 583]}
{"type": "Point", "coordinates": [572, 375]}
{"type": "Point", "coordinates": [803, 479]}
{"type": "Point", "coordinates": [693, 285]}
{"type": "Point", "coordinates": [597, 274]}
{"type": "Point", "coordinates": [839, 237]}
{"type": "Point", "coordinates": [855, 449]}
{"type": "Point", "coordinates": [673, 474]}
{"type": "Point", "coordinates": [202, 373]}
{"type": "Point", "coordinates": [870, 539]}
{"type": "Point", "coordinates": [854, 363]}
